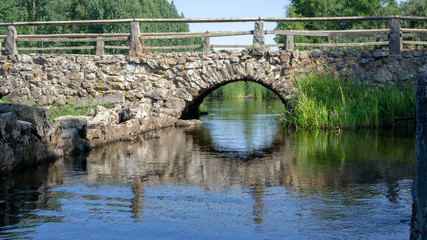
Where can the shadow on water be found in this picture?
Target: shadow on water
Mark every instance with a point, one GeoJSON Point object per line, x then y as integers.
{"type": "Point", "coordinates": [297, 185]}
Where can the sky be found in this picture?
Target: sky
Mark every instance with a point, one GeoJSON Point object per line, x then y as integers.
{"type": "Point", "coordinates": [231, 9]}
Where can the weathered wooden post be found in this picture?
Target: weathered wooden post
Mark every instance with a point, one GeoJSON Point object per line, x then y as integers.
{"type": "Point", "coordinates": [99, 49]}
{"type": "Point", "coordinates": [394, 39]}
{"type": "Point", "coordinates": [10, 43]}
{"type": "Point", "coordinates": [134, 39]}
{"type": "Point", "coordinates": [289, 42]}
{"type": "Point", "coordinates": [419, 187]}
{"type": "Point", "coordinates": [258, 45]}
{"type": "Point", "coordinates": [206, 44]}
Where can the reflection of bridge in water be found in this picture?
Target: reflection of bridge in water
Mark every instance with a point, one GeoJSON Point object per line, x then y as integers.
{"type": "Point", "coordinates": [185, 157]}
{"type": "Point", "coordinates": [299, 163]}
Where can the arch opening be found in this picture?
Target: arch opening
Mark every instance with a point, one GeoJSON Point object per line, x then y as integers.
{"type": "Point", "coordinates": [191, 110]}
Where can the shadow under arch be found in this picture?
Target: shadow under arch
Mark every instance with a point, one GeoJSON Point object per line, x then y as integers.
{"type": "Point", "coordinates": [191, 109]}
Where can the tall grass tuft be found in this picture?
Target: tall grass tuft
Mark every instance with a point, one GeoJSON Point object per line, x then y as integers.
{"type": "Point", "coordinates": [242, 89]}
{"type": "Point", "coordinates": [324, 102]}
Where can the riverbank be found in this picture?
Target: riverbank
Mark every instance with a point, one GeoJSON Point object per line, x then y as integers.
{"type": "Point", "coordinates": [28, 137]}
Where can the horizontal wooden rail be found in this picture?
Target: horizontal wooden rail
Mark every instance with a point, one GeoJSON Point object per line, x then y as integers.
{"type": "Point", "coordinates": [116, 47]}
{"type": "Point", "coordinates": [413, 35]}
{"type": "Point", "coordinates": [348, 33]}
{"type": "Point", "coordinates": [413, 30]}
{"type": "Point", "coordinates": [415, 42]}
{"type": "Point", "coordinates": [57, 48]}
{"type": "Point", "coordinates": [212, 20]}
{"type": "Point", "coordinates": [196, 35]}
{"type": "Point", "coordinates": [19, 39]}
{"type": "Point", "coordinates": [75, 35]}
{"type": "Point", "coordinates": [341, 44]}
{"type": "Point", "coordinates": [174, 47]}
{"type": "Point", "coordinates": [231, 46]}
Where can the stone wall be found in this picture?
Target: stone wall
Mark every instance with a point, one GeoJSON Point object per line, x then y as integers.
{"type": "Point", "coordinates": [419, 188]}
{"type": "Point", "coordinates": [175, 83]}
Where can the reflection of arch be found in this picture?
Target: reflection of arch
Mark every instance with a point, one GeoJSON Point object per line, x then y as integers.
{"type": "Point", "coordinates": [202, 138]}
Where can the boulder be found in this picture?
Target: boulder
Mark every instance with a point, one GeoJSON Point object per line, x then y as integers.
{"type": "Point", "coordinates": [39, 117]}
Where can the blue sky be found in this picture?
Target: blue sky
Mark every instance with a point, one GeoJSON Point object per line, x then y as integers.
{"type": "Point", "coordinates": [231, 8]}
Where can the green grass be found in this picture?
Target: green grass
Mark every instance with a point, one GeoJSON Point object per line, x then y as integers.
{"type": "Point", "coordinates": [324, 102]}
{"type": "Point", "coordinates": [69, 109]}
{"type": "Point", "coordinates": [4, 100]}
{"type": "Point", "coordinates": [241, 89]}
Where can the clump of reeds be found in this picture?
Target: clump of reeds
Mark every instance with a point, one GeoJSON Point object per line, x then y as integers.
{"type": "Point", "coordinates": [325, 102]}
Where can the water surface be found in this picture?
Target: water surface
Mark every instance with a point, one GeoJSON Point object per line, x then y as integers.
{"type": "Point", "coordinates": [238, 176]}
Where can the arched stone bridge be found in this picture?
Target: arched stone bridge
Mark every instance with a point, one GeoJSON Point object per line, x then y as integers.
{"type": "Point", "coordinates": [176, 83]}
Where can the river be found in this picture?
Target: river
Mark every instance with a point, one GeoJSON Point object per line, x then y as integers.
{"type": "Point", "coordinates": [239, 176]}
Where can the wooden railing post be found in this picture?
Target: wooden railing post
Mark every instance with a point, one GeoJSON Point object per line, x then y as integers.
{"type": "Point", "coordinates": [258, 45]}
{"type": "Point", "coordinates": [10, 43]}
{"type": "Point", "coordinates": [394, 39]}
{"type": "Point", "coordinates": [206, 44]}
{"type": "Point", "coordinates": [99, 48]}
{"type": "Point", "coordinates": [289, 42]}
{"type": "Point", "coordinates": [134, 38]}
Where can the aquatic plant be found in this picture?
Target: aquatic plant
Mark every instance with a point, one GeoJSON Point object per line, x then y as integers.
{"type": "Point", "coordinates": [326, 102]}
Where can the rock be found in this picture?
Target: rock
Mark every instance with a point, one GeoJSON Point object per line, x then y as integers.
{"type": "Point", "coordinates": [187, 123]}
{"type": "Point", "coordinates": [39, 117]}
{"type": "Point", "coordinates": [106, 116]}
{"type": "Point", "coordinates": [9, 126]}
{"type": "Point", "coordinates": [77, 122]}
{"type": "Point", "coordinates": [70, 143]}
{"type": "Point", "coordinates": [382, 76]}
{"type": "Point", "coordinates": [118, 98]}
{"type": "Point", "coordinates": [378, 54]}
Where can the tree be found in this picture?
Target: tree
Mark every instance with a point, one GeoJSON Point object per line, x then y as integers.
{"type": "Point", "coordinates": [62, 10]}
{"type": "Point", "coordinates": [335, 8]}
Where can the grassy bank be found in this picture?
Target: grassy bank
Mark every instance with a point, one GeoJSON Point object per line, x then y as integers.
{"type": "Point", "coordinates": [69, 109]}
{"type": "Point", "coordinates": [241, 89]}
{"type": "Point", "coordinates": [326, 102]}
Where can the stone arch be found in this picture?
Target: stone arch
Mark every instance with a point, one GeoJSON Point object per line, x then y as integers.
{"type": "Point", "coordinates": [206, 79]}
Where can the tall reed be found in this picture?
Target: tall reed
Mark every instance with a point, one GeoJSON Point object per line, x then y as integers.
{"type": "Point", "coordinates": [327, 102]}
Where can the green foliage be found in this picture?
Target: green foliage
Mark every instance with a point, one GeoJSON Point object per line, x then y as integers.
{"type": "Point", "coordinates": [4, 100]}
{"type": "Point", "coordinates": [69, 109]}
{"type": "Point", "coordinates": [414, 8]}
{"type": "Point", "coordinates": [336, 8]}
{"type": "Point", "coordinates": [202, 108]}
{"type": "Point", "coordinates": [241, 89]}
{"type": "Point", "coordinates": [62, 10]}
{"type": "Point", "coordinates": [327, 102]}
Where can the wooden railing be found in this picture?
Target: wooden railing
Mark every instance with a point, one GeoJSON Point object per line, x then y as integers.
{"type": "Point", "coordinates": [394, 37]}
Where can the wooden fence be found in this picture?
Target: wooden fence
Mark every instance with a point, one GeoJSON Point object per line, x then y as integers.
{"type": "Point", "coordinates": [394, 37]}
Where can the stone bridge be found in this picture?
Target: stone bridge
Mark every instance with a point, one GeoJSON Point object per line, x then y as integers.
{"type": "Point", "coordinates": [176, 83]}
